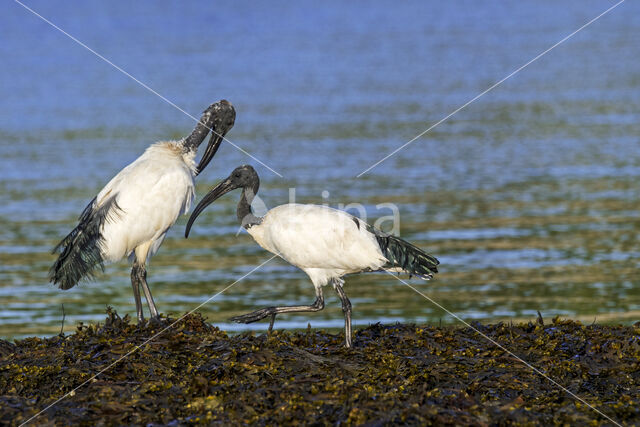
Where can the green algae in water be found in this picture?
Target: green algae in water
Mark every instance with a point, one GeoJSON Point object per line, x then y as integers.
{"type": "Point", "coordinates": [194, 373]}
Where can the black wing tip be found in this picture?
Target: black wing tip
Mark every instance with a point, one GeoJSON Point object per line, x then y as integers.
{"type": "Point", "coordinates": [80, 252]}
{"type": "Point", "coordinates": [406, 256]}
{"type": "Point", "coordinates": [60, 281]}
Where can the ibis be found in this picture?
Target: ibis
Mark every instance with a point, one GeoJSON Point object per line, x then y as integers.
{"type": "Point", "coordinates": [325, 243]}
{"type": "Point", "coordinates": [130, 216]}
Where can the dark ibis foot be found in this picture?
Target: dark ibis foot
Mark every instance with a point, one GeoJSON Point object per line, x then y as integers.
{"type": "Point", "coordinates": [254, 316]}
{"type": "Point", "coordinates": [153, 321]}
{"type": "Point", "coordinates": [348, 343]}
{"type": "Point", "coordinates": [156, 321]}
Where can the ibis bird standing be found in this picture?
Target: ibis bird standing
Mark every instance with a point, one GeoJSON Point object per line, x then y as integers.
{"type": "Point", "coordinates": [130, 216]}
{"type": "Point", "coordinates": [325, 243]}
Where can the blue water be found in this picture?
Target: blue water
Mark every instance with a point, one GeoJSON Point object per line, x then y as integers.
{"type": "Point", "coordinates": [537, 177]}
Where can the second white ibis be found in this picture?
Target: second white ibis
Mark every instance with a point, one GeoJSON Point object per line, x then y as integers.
{"type": "Point", "coordinates": [325, 243]}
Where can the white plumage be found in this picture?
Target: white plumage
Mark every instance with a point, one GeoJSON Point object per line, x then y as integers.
{"type": "Point", "coordinates": [130, 216]}
{"type": "Point", "coordinates": [151, 193]}
{"type": "Point", "coordinates": [325, 243]}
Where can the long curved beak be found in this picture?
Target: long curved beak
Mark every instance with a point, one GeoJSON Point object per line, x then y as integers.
{"type": "Point", "coordinates": [218, 191]}
{"type": "Point", "coordinates": [226, 117]}
{"type": "Point", "coordinates": [212, 148]}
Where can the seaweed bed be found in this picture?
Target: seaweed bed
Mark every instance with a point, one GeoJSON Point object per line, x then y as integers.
{"type": "Point", "coordinates": [194, 373]}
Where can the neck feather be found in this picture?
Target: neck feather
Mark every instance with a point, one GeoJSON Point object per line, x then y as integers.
{"type": "Point", "coordinates": [245, 216]}
{"type": "Point", "coordinates": [193, 141]}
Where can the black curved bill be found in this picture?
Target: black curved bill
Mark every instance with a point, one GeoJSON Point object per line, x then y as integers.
{"type": "Point", "coordinates": [225, 119]}
{"type": "Point", "coordinates": [218, 191]}
{"type": "Point", "coordinates": [212, 148]}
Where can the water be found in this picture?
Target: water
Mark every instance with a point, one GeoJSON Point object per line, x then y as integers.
{"type": "Point", "coordinates": [528, 196]}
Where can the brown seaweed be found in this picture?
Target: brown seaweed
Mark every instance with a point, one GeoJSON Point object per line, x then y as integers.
{"type": "Point", "coordinates": [194, 373]}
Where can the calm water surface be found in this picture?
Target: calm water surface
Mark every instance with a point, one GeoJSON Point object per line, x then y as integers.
{"type": "Point", "coordinates": [529, 197]}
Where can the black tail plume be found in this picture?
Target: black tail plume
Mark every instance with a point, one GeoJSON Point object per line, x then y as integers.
{"type": "Point", "coordinates": [404, 256]}
{"type": "Point", "coordinates": [80, 251]}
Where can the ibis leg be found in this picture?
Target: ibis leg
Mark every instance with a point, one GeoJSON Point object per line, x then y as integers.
{"type": "Point", "coordinates": [140, 268]}
{"type": "Point", "coordinates": [273, 319]}
{"type": "Point", "coordinates": [135, 283]}
{"type": "Point", "coordinates": [346, 309]}
{"type": "Point", "coordinates": [260, 314]}
{"type": "Point", "coordinates": [147, 292]}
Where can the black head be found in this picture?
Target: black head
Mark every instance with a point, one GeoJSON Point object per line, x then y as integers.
{"type": "Point", "coordinates": [219, 118]}
{"type": "Point", "coordinates": [220, 115]}
{"type": "Point", "coordinates": [244, 177]}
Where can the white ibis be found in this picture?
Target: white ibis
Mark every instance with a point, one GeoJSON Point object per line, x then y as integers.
{"type": "Point", "coordinates": [325, 243]}
{"type": "Point", "coordinates": [130, 216]}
